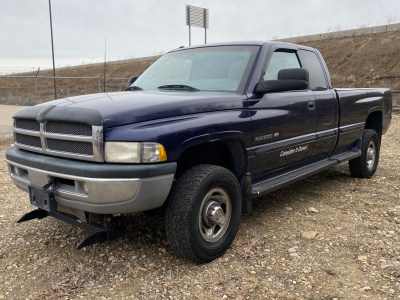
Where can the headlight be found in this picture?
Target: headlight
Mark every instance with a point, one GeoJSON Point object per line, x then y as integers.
{"type": "Point", "coordinates": [122, 152]}
{"type": "Point", "coordinates": [133, 152]}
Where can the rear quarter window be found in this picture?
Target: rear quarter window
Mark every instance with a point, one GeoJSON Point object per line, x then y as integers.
{"type": "Point", "coordinates": [310, 61]}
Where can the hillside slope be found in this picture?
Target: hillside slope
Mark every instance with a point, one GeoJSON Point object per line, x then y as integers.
{"type": "Point", "coordinates": [370, 60]}
{"type": "Point", "coordinates": [21, 91]}
{"type": "Point", "coordinates": [362, 61]}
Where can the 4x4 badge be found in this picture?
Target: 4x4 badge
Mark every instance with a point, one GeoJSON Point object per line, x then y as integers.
{"type": "Point", "coordinates": [266, 137]}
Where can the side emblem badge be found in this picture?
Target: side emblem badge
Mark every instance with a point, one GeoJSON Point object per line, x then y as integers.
{"type": "Point", "coordinates": [276, 134]}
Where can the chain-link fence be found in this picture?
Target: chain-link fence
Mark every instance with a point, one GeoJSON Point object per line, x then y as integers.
{"type": "Point", "coordinates": [6, 113]}
{"type": "Point", "coordinates": [19, 93]}
{"type": "Point", "coordinates": [32, 90]}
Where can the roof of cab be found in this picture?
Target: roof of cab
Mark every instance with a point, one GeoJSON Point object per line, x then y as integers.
{"type": "Point", "coordinates": [241, 43]}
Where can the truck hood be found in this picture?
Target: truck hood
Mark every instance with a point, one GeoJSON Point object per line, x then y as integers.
{"type": "Point", "coordinates": [120, 108]}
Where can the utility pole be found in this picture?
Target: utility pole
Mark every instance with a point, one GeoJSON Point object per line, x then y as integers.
{"type": "Point", "coordinates": [52, 50]}
{"type": "Point", "coordinates": [105, 55]}
{"type": "Point", "coordinates": [36, 85]}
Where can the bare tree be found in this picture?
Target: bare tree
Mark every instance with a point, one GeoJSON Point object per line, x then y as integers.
{"type": "Point", "coordinates": [332, 28]}
{"type": "Point", "coordinates": [364, 25]}
{"type": "Point", "coordinates": [391, 19]}
{"type": "Point", "coordinates": [338, 27]}
{"type": "Point", "coordinates": [275, 37]}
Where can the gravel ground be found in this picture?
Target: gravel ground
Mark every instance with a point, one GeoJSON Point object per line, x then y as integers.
{"type": "Point", "coordinates": [330, 236]}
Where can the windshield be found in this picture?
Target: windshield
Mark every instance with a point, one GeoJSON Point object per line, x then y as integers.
{"type": "Point", "coordinates": [223, 68]}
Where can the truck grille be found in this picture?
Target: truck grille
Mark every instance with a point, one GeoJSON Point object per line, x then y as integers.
{"type": "Point", "coordinates": [81, 148]}
{"type": "Point", "coordinates": [67, 139]}
{"type": "Point", "coordinates": [27, 124]}
{"type": "Point", "coordinates": [28, 140]}
{"type": "Point", "coordinates": [69, 128]}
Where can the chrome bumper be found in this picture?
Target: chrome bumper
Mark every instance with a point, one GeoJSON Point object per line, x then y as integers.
{"type": "Point", "coordinates": [97, 195]}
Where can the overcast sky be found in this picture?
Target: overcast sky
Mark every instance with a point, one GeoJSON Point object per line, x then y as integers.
{"type": "Point", "coordinates": [142, 28]}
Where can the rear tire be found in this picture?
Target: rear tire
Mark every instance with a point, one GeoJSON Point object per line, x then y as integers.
{"type": "Point", "coordinates": [365, 165]}
{"type": "Point", "coordinates": [203, 213]}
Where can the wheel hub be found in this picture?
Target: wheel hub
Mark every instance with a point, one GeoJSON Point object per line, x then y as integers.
{"type": "Point", "coordinates": [215, 214]}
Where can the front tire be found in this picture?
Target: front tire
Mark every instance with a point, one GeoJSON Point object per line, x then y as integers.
{"type": "Point", "coordinates": [203, 213]}
{"type": "Point", "coordinates": [365, 165]}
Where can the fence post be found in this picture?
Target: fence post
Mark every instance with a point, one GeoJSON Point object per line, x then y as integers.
{"type": "Point", "coordinates": [100, 81]}
{"type": "Point", "coordinates": [36, 86]}
{"type": "Point", "coordinates": [85, 87]}
{"type": "Point", "coordinates": [68, 91]}
{"type": "Point", "coordinates": [29, 96]}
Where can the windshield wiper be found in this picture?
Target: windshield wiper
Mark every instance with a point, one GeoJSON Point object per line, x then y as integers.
{"type": "Point", "coordinates": [178, 87]}
{"type": "Point", "coordinates": [134, 88]}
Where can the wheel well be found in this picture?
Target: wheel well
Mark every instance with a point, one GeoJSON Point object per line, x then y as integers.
{"type": "Point", "coordinates": [230, 154]}
{"type": "Point", "coordinates": [374, 121]}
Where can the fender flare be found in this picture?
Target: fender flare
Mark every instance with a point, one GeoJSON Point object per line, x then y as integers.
{"type": "Point", "coordinates": [210, 137]}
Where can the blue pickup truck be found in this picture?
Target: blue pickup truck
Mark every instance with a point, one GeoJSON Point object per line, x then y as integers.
{"type": "Point", "coordinates": [201, 133]}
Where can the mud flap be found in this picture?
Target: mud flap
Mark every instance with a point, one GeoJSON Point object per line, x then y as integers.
{"type": "Point", "coordinates": [245, 186]}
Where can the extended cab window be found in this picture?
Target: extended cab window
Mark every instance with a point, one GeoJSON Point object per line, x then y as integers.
{"type": "Point", "coordinates": [279, 61]}
{"type": "Point", "coordinates": [310, 61]}
{"type": "Point", "coordinates": [223, 68]}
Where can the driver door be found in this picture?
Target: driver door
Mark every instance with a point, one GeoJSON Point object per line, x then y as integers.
{"type": "Point", "coordinates": [283, 123]}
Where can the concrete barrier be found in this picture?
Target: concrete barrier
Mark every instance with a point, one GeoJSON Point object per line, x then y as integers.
{"type": "Point", "coordinates": [342, 33]}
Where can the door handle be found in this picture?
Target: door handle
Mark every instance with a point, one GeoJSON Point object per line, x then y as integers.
{"type": "Point", "coordinates": [311, 106]}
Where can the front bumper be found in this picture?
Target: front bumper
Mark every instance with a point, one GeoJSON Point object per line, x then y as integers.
{"type": "Point", "coordinates": [100, 188]}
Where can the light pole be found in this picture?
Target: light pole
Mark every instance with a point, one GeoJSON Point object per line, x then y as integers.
{"type": "Point", "coordinates": [105, 55]}
{"type": "Point", "coordinates": [52, 51]}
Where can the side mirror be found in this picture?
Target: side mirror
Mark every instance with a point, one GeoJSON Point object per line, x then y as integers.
{"type": "Point", "coordinates": [288, 80]}
{"type": "Point", "coordinates": [131, 80]}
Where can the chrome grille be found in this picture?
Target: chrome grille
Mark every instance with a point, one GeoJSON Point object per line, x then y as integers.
{"type": "Point", "coordinates": [80, 148]}
{"type": "Point", "coordinates": [28, 140]}
{"type": "Point", "coordinates": [59, 138]}
{"type": "Point", "coordinates": [69, 128]}
{"type": "Point", "coordinates": [27, 124]}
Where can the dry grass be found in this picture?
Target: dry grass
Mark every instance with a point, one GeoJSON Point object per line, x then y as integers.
{"type": "Point", "coordinates": [25, 95]}
{"type": "Point", "coordinates": [362, 61]}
